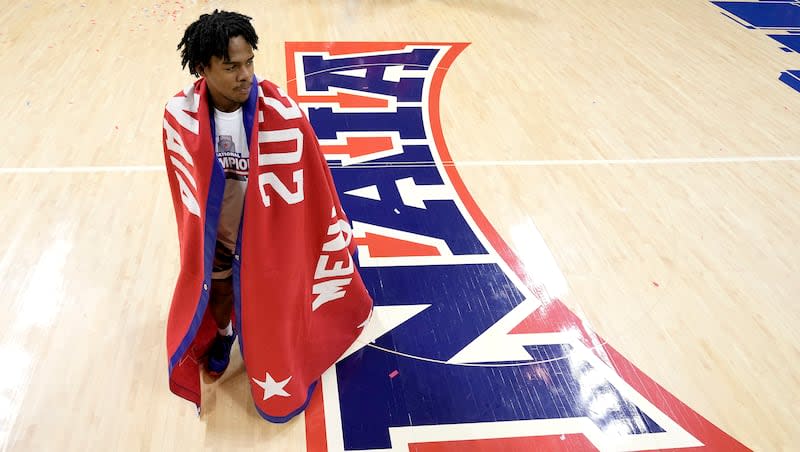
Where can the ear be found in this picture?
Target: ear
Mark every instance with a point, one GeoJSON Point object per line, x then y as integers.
{"type": "Point", "coordinates": [201, 69]}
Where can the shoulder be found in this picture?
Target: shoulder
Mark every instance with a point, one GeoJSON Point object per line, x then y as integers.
{"type": "Point", "coordinates": [268, 87]}
{"type": "Point", "coordinates": [272, 90]}
{"type": "Point", "coordinates": [190, 91]}
{"type": "Point", "coordinates": [187, 99]}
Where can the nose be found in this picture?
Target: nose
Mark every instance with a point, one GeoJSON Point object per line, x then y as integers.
{"type": "Point", "coordinates": [245, 73]}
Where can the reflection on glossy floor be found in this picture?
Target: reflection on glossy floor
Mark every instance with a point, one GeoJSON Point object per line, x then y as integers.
{"type": "Point", "coordinates": [635, 176]}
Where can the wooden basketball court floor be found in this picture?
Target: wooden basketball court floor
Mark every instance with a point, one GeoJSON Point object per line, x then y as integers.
{"type": "Point", "coordinates": [648, 145]}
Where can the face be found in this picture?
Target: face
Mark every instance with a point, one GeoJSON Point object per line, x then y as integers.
{"type": "Point", "coordinates": [229, 80]}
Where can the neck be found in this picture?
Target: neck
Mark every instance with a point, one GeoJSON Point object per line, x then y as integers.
{"type": "Point", "coordinates": [226, 107]}
{"type": "Point", "coordinates": [221, 103]}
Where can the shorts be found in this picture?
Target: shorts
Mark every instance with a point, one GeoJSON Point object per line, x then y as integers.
{"type": "Point", "coordinates": [223, 262]}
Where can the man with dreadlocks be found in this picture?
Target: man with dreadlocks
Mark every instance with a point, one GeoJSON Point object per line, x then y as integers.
{"type": "Point", "coordinates": [264, 242]}
{"type": "Point", "coordinates": [227, 66]}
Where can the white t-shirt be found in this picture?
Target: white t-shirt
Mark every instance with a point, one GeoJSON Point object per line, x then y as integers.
{"type": "Point", "coordinates": [232, 152]}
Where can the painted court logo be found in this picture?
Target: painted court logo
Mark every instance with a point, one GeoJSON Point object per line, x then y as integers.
{"type": "Point", "coordinates": [780, 18]}
{"type": "Point", "coordinates": [463, 352]}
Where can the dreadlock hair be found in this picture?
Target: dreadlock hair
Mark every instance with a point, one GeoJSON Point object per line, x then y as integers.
{"type": "Point", "coordinates": [209, 35]}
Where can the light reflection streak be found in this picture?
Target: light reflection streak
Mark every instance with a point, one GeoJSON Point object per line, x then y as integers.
{"type": "Point", "coordinates": [38, 306]}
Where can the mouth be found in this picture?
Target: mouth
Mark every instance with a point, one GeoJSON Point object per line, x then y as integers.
{"type": "Point", "coordinates": [245, 89]}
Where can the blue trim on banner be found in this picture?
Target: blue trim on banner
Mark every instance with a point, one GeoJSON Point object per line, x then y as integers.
{"type": "Point", "coordinates": [213, 207]}
{"type": "Point", "coordinates": [287, 418]}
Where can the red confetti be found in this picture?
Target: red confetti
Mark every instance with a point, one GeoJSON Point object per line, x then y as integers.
{"type": "Point", "coordinates": [655, 284]}
{"type": "Point", "coordinates": [394, 374]}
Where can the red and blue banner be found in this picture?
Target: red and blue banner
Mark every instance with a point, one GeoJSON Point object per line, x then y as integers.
{"type": "Point", "coordinates": [299, 300]}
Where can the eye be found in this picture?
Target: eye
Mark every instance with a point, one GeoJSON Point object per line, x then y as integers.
{"type": "Point", "coordinates": [229, 69]}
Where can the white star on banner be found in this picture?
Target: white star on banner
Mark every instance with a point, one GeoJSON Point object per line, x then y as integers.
{"type": "Point", "coordinates": [273, 388]}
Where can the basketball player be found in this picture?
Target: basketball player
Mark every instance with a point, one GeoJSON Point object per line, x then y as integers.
{"type": "Point", "coordinates": [219, 46]}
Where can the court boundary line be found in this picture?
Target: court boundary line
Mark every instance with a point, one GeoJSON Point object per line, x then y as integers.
{"type": "Point", "coordinates": [462, 163]}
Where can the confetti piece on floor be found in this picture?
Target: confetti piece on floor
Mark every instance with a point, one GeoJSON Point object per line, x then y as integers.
{"type": "Point", "coordinates": [655, 284]}
{"type": "Point", "coordinates": [394, 374]}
